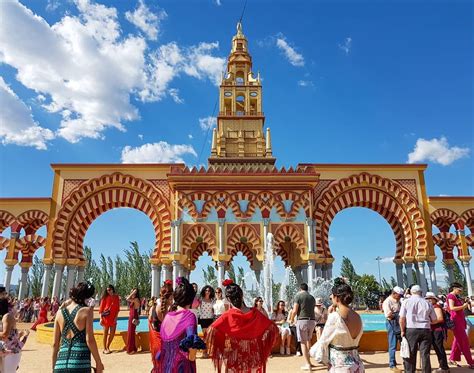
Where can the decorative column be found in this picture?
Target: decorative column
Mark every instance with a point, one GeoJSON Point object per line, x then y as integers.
{"type": "Point", "coordinates": [310, 234]}
{"type": "Point", "coordinates": [329, 271]}
{"type": "Point", "coordinates": [433, 282]}
{"type": "Point", "coordinates": [220, 272]}
{"type": "Point", "coordinates": [155, 280]}
{"type": "Point", "coordinates": [417, 271]}
{"type": "Point", "coordinates": [298, 275]}
{"type": "Point", "coordinates": [71, 274]}
{"type": "Point", "coordinates": [80, 274]}
{"type": "Point", "coordinates": [173, 233]}
{"type": "Point", "coordinates": [408, 269]}
{"type": "Point", "coordinates": [318, 270]}
{"type": "Point", "coordinates": [8, 277]}
{"type": "Point", "coordinates": [175, 264]}
{"type": "Point", "coordinates": [399, 270]}
{"type": "Point", "coordinates": [422, 278]}
{"type": "Point", "coordinates": [58, 276]}
{"type": "Point", "coordinates": [310, 274]}
{"type": "Point", "coordinates": [467, 275]}
{"type": "Point", "coordinates": [221, 235]}
{"type": "Point", "coordinates": [25, 267]}
{"type": "Point", "coordinates": [324, 271]}
{"type": "Point", "coordinates": [177, 236]}
{"type": "Point", "coordinates": [266, 224]}
{"type": "Point", "coordinates": [46, 277]}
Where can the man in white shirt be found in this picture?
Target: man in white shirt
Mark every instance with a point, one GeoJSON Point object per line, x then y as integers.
{"type": "Point", "coordinates": [391, 309]}
{"type": "Point", "coordinates": [416, 315]}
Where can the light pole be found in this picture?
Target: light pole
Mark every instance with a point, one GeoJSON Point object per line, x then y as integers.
{"type": "Point", "coordinates": [378, 259]}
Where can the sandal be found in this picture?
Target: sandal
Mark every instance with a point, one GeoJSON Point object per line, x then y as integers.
{"type": "Point", "coordinates": [451, 362]}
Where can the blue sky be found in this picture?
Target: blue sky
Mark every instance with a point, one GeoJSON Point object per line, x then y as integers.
{"type": "Point", "coordinates": [343, 82]}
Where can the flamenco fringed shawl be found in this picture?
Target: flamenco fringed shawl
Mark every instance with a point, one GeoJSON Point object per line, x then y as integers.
{"type": "Point", "coordinates": [241, 341]}
{"type": "Point", "coordinates": [176, 323]}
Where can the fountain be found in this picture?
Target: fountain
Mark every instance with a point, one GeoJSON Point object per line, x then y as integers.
{"type": "Point", "coordinates": [289, 287]}
{"type": "Point", "coordinates": [268, 273]}
{"type": "Point", "coordinates": [322, 289]}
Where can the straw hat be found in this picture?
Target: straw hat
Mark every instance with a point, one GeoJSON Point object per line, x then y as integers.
{"type": "Point", "coordinates": [431, 295]}
{"type": "Point", "coordinates": [319, 301]}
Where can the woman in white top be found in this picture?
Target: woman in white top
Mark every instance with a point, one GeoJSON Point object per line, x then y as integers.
{"type": "Point", "coordinates": [279, 315]}
{"type": "Point", "coordinates": [339, 342]}
{"type": "Point", "coordinates": [220, 305]}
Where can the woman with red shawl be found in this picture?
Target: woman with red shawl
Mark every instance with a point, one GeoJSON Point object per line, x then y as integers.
{"type": "Point", "coordinates": [43, 313]}
{"type": "Point", "coordinates": [242, 338]}
{"type": "Point", "coordinates": [156, 315]}
{"type": "Point", "coordinates": [108, 310]}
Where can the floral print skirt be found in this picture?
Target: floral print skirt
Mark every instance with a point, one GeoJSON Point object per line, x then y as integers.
{"type": "Point", "coordinates": [345, 361]}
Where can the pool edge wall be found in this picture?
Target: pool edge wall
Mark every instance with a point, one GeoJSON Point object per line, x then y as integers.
{"type": "Point", "coordinates": [370, 341]}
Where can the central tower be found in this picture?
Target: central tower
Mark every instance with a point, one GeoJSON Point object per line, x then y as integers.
{"type": "Point", "coordinates": [239, 138]}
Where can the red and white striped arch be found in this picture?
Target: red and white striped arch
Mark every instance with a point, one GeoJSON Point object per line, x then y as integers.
{"type": "Point", "coordinates": [468, 219]}
{"type": "Point", "coordinates": [6, 220]}
{"type": "Point", "coordinates": [288, 233]}
{"type": "Point", "coordinates": [28, 245]}
{"type": "Point", "coordinates": [382, 195]}
{"type": "Point", "coordinates": [101, 194]}
{"type": "Point", "coordinates": [244, 238]}
{"type": "Point", "coordinates": [197, 240]}
{"type": "Point", "coordinates": [32, 220]}
{"type": "Point", "coordinates": [443, 219]}
{"type": "Point", "coordinates": [446, 241]}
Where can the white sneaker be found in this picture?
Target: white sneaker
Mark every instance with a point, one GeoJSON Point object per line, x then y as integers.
{"type": "Point", "coordinates": [288, 352]}
{"type": "Point", "coordinates": [298, 353]}
{"type": "Point", "coordinates": [282, 350]}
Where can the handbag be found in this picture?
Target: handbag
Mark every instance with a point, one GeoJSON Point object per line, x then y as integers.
{"type": "Point", "coordinates": [404, 349]}
{"type": "Point", "coordinates": [105, 313]}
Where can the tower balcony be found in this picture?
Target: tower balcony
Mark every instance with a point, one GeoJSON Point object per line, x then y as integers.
{"type": "Point", "coordinates": [251, 113]}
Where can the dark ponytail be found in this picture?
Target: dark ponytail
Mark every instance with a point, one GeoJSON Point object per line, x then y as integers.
{"type": "Point", "coordinates": [183, 294]}
{"type": "Point", "coordinates": [83, 291]}
{"type": "Point", "coordinates": [235, 295]}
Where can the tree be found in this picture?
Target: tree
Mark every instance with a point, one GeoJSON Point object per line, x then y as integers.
{"type": "Point", "coordinates": [457, 274]}
{"type": "Point", "coordinates": [369, 290]}
{"type": "Point", "coordinates": [35, 277]}
{"type": "Point", "coordinates": [210, 277]}
{"type": "Point", "coordinates": [348, 271]}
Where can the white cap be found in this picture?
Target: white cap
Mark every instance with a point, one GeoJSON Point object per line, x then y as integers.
{"type": "Point", "coordinates": [398, 290]}
{"type": "Point", "coordinates": [432, 295]}
{"type": "Point", "coordinates": [415, 289]}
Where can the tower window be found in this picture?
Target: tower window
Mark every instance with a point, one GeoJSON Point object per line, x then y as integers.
{"type": "Point", "coordinates": [239, 78]}
{"type": "Point", "coordinates": [240, 105]}
{"type": "Point", "coordinates": [240, 46]}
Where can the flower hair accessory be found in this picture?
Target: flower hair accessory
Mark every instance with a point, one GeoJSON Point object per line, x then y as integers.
{"type": "Point", "coordinates": [227, 282]}
{"type": "Point", "coordinates": [179, 281]}
{"type": "Point", "coordinates": [169, 282]}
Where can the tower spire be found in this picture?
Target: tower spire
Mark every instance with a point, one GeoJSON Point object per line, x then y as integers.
{"type": "Point", "coordinates": [240, 136]}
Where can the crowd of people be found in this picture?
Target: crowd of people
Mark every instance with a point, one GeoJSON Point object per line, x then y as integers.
{"type": "Point", "coordinates": [239, 337]}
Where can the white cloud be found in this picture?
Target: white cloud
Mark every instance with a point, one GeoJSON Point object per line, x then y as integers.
{"type": "Point", "coordinates": [190, 136]}
{"type": "Point", "coordinates": [140, 136]}
{"type": "Point", "coordinates": [436, 151]}
{"type": "Point", "coordinates": [87, 71]}
{"type": "Point", "coordinates": [158, 152]}
{"type": "Point", "coordinates": [174, 93]}
{"type": "Point", "coordinates": [16, 121]}
{"type": "Point", "coordinates": [346, 46]}
{"type": "Point", "coordinates": [207, 123]}
{"type": "Point", "coordinates": [305, 83]}
{"type": "Point", "coordinates": [146, 20]}
{"type": "Point", "coordinates": [295, 58]}
{"type": "Point", "coordinates": [387, 259]}
{"type": "Point", "coordinates": [218, 2]}
{"type": "Point", "coordinates": [331, 239]}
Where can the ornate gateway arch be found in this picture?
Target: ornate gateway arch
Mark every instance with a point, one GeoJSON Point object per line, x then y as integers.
{"type": "Point", "coordinates": [231, 205]}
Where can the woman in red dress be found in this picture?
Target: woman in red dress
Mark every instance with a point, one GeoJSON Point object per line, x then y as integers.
{"type": "Point", "coordinates": [156, 315]}
{"type": "Point", "coordinates": [108, 310]}
{"type": "Point", "coordinates": [133, 319]}
{"type": "Point", "coordinates": [43, 313]}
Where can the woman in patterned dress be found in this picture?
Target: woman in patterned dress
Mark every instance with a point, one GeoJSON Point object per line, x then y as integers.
{"type": "Point", "coordinates": [338, 346]}
{"type": "Point", "coordinates": [74, 334]}
{"type": "Point", "coordinates": [133, 319]}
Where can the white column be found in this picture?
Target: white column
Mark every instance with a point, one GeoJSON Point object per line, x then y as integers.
{"type": "Point", "coordinates": [220, 272]}
{"type": "Point", "coordinates": [177, 238]}
{"type": "Point", "coordinates": [175, 264]}
{"type": "Point", "coordinates": [58, 276]}
{"type": "Point", "coordinates": [329, 271]}
{"type": "Point", "coordinates": [408, 269]}
{"type": "Point", "coordinates": [46, 276]}
{"type": "Point", "coordinates": [221, 235]}
{"type": "Point", "coordinates": [310, 235]}
{"type": "Point", "coordinates": [310, 274]}
{"type": "Point", "coordinates": [23, 283]}
{"type": "Point", "coordinates": [8, 277]}
{"type": "Point", "coordinates": [422, 279]}
{"type": "Point", "coordinates": [399, 270]}
{"type": "Point", "coordinates": [155, 280]}
{"type": "Point", "coordinates": [467, 275]}
{"type": "Point", "coordinates": [417, 271]}
{"type": "Point", "coordinates": [172, 236]}
{"type": "Point", "coordinates": [318, 270]}
{"type": "Point", "coordinates": [324, 273]}
{"type": "Point", "coordinates": [449, 268]}
{"type": "Point", "coordinates": [80, 274]}
{"type": "Point", "coordinates": [266, 224]}
{"type": "Point", "coordinates": [71, 273]}
{"type": "Point", "coordinates": [433, 282]}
